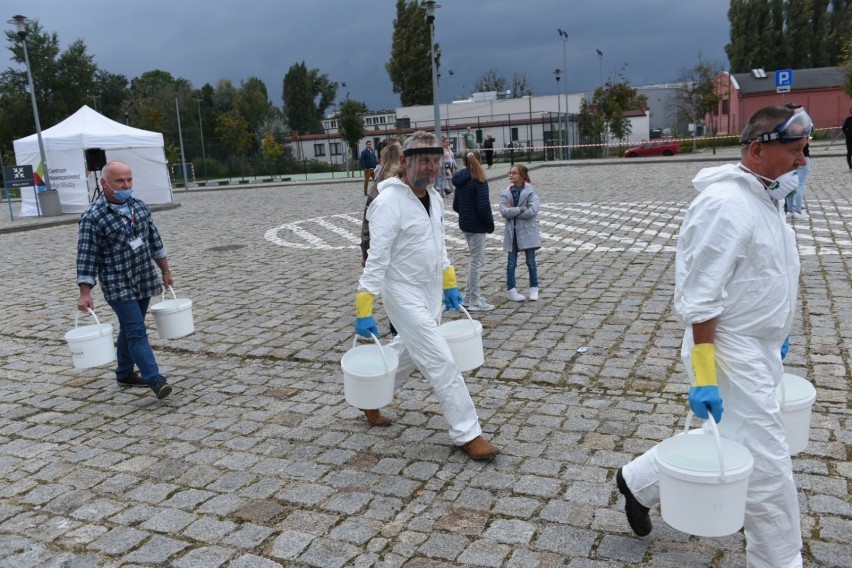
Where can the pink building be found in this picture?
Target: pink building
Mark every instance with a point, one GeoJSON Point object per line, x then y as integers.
{"type": "Point", "coordinates": [819, 90]}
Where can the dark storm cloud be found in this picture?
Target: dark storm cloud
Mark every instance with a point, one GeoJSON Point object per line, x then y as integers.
{"type": "Point", "coordinates": [207, 40]}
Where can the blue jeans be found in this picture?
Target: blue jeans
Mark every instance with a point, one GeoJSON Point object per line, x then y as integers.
{"type": "Point", "coordinates": [133, 347]}
{"type": "Point", "coordinates": [513, 264]}
{"type": "Point", "coordinates": [796, 202]}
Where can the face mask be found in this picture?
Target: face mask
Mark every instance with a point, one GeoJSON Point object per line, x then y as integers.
{"type": "Point", "coordinates": [780, 188]}
{"type": "Point", "coordinates": [122, 195]}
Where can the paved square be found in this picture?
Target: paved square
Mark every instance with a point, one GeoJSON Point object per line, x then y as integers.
{"type": "Point", "coordinates": [257, 460]}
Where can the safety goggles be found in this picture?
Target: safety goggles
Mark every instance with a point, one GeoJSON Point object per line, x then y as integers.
{"type": "Point", "coordinates": [795, 128]}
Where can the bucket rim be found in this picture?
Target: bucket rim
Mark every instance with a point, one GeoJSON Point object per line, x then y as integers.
{"type": "Point", "coordinates": [460, 329]}
{"type": "Point", "coordinates": [795, 393]}
{"type": "Point", "coordinates": [92, 331]}
{"type": "Point", "coordinates": [390, 359]}
{"type": "Point", "coordinates": [740, 468]}
{"type": "Point", "coordinates": [171, 306]}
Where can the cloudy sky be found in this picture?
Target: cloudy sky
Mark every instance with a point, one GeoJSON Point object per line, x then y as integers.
{"type": "Point", "coordinates": [350, 41]}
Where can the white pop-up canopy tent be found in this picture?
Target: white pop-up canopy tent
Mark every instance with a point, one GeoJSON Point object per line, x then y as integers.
{"type": "Point", "coordinates": [65, 145]}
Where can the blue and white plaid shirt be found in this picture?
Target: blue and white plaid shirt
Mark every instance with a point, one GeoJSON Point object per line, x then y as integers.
{"type": "Point", "coordinates": [104, 252]}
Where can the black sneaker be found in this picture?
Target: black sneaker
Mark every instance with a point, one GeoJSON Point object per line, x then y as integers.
{"type": "Point", "coordinates": [637, 513]}
{"type": "Point", "coordinates": [131, 379]}
{"type": "Point", "coordinates": [162, 389]}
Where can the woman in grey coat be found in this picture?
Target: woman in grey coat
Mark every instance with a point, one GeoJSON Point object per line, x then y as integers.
{"type": "Point", "coordinates": [519, 206]}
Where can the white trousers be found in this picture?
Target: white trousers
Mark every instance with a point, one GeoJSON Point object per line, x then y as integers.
{"type": "Point", "coordinates": [752, 418]}
{"type": "Point", "coordinates": [427, 350]}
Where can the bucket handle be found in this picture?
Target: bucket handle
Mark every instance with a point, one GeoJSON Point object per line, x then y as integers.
{"type": "Point", "coordinates": [163, 299]}
{"type": "Point", "coordinates": [467, 313]}
{"type": "Point", "coordinates": [381, 349]}
{"type": "Point", "coordinates": [716, 438]}
{"type": "Point", "coordinates": [91, 312]}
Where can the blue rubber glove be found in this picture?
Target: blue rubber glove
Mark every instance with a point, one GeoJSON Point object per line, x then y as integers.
{"type": "Point", "coordinates": [366, 326]}
{"type": "Point", "coordinates": [702, 399]}
{"type": "Point", "coordinates": [452, 299]}
{"type": "Point", "coordinates": [785, 348]}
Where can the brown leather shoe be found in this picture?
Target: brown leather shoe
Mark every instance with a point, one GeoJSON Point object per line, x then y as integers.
{"type": "Point", "coordinates": [375, 418]}
{"type": "Point", "coordinates": [480, 449]}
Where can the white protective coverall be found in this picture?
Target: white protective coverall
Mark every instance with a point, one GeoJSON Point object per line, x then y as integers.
{"type": "Point", "coordinates": [406, 264]}
{"type": "Point", "coordinates": [737, 261]}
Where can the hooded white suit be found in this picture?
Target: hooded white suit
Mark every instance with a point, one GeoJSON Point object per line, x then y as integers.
{"type": "Point", "coordinates": [406, 264]}
{"type": "Point", "coordinates": [737, 261]}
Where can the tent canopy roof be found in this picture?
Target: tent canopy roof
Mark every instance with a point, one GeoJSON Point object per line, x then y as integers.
{"type": "Point", "coordinates": [87, 128]}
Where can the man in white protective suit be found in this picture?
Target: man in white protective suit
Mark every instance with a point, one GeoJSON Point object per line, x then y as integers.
{"type": "Point", "coordinates": [409, 267]}
{"type": "Point", "coordinates": [736, 282]}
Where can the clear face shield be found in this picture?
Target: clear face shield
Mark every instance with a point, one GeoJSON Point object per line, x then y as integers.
{"type": "Point", "coordinates": [794, 128]}
{"type": "Point", "coordinates": [422, 165]}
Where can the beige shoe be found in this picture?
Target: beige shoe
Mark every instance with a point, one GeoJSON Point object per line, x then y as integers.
{"type": "Point", "coordinates": [480, 449]}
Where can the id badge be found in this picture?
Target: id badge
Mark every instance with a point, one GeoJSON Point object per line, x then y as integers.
{"type": "Point", "coordinates": [136, 243]}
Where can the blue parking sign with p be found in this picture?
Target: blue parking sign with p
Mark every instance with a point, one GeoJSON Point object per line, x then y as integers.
{"type": "Point", "coordinates": [784, 78]}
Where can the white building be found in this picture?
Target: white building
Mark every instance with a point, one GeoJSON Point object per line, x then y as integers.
{"type": "Point", "coordinates": [528, 123]}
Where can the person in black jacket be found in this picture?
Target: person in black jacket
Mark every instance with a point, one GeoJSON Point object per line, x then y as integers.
{"type": "Point", "coordinates": [472, 204]}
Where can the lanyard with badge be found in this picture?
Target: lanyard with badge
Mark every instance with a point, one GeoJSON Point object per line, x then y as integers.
{"type": "Point", "coordinates": [135, 243]}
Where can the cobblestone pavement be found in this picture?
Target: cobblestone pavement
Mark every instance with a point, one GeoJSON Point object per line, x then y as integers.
{"type": "Point", "coordinates": [256, 460]}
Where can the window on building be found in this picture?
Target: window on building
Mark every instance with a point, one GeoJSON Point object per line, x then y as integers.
{"type": "Point", "coordinates": [319, 149]}
{"type": "Point", "coordinates": [725, 107]}
{"type": "Point", "coordinates": [334, 148]}
{"type": "Point", "coordinates": [514, 134]}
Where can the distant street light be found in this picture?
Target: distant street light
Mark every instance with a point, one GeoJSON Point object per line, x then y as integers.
{"type": "Point", "coordinates": [201, 128]}
{"type": "Point", "coordinates": [563, 35]}
{"type": "Point", "coordinates": [430, 19]}
{"type": "Point", "coordinates": [22, 24]}
{"type": "Point", "coordinates": [558, 74]}
{"type": "Point", "coordinates": [600, 66]}
{"type": "Point", "coordinates": [127, 118]}
{"type": "Point", "coordinates": [182, 157]}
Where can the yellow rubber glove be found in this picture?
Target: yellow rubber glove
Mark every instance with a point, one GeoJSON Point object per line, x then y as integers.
{"type": "Point", "coordinates": [450, 278]}
{"type": "Point", "coordinates": [452, 297]}
{"type": "Point", "coordinates": [704, 394]}
{"type": "Point", "coordinates": [704, 365]}
{"type": "Point", "coordinates": [365, 323]}
{"type": "Point", "coordinates": [363, 304]}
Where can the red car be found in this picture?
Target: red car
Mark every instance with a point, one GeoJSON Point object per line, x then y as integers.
{"type": "Point", "coordinates": [656, 148]}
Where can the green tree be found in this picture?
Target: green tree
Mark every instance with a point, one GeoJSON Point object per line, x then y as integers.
{"type": "Point", "coordinates": [603, 117]}
{"type": "Point", "coordinates": [235, 135]}
{"type": "Point", "coordinates": [695, 96]}
{"type": "Point", "coordinates": [63, 80]}
{"type": "Point", "coordinates": [271, 149]}
{"type": "Point", "coordinates": [847, 69]}
{"type": "Point", "coordinates": [352, 124]}
{"type": "Point", "coordinates": [777, 34]}
{"type": "Point", "coordinates": [112, 92]}
{"type": "Point", "coordinates": [253, 102]}
{"type": "Point", "coordinates": [307, 95]}
{"type": "Point", "coordinates": [152, 102]}
{"type": "Point", "coordinates": [409, 66]}
{"type": "Point", "coordinates": [490, 81]}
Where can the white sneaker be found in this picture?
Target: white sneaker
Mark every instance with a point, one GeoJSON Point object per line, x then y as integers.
{"type": "Point", "coordinates": [800, 215]}
{"type": "Point", "coordinates": [515, 296]}
{"type": "Point", "coordinates": [479, 306]}
{"type": "Point", "coordinates": [533, 294]}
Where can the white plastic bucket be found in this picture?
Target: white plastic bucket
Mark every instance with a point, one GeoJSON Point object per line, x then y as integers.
{"type": "Point", "coordinates": [91, 345]}
{"type": "Point", "coordinates": [369, 375]}
{"type": "Point", "coordinates": [703, 482]}
{"type": "Point", "coordinates": [796, 398]}
{"type": "Point", "coordinates": [465, 340]}
{"type": "Point", "coordinates": [173, 318]}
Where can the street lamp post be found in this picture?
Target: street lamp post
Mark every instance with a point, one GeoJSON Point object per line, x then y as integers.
{"type": "Point", "coordinates": [127, 118]}
{"type": "Point", "coordinates": [600, 67]}
{"type": "Point", "coordinates": [563, 35]}
{"type": "Point", "coordinates": [431, 5]}
{"type": "Point", "coordinates": [201, 129]}
{"type": "Point", "coordinates": [182, 156]}
{"type": "Point", "coordinates": [558, 74]}
{"type": "Point", "coordinates": [22, 24]}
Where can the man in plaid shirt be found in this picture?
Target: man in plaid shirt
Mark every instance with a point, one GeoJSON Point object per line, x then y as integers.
{"type": "Point", "coordinates": [117, 244]}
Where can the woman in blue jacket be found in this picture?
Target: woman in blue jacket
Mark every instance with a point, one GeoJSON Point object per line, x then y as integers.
{"type": "Point", "coordinates": [472, 204]}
